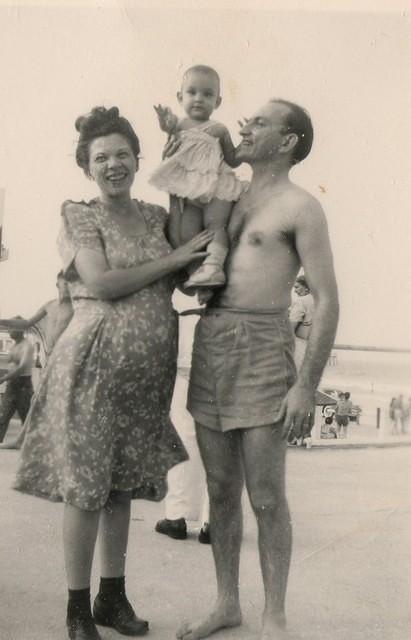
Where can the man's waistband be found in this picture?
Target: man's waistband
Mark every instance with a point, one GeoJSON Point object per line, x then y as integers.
{"type": "Point", "coordinates": [209, 311]}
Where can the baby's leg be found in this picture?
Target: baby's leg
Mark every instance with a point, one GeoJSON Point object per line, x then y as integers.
{"type": "Point", "coordinates": [216, 215]}
{"type": "Point", "coordinates": [186, 221]}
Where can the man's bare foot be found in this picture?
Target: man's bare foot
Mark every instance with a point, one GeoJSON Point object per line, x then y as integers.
{"type": "Point", "coordinates": [274, 628]}
{"type": "Point", "coordinates": [221, 618]}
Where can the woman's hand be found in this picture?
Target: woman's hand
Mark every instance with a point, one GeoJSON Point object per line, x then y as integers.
{"type": "Point", "coordinates": [191, 250]}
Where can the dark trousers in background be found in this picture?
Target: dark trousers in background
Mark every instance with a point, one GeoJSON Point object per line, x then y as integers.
{"type": "Point", "coordinates": [17, 397]}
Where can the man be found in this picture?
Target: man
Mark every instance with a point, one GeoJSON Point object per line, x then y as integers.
{"type": "Point", "coordinates": [19, 388]}
{"type": "Point", "coordinates": [342, 414]}
{"type": "Point", "coordinates": [301, 319]}
{"type": "Point", "coordinates": [243, 393]}
{"type": "Point", "coordinates": [50, 320]}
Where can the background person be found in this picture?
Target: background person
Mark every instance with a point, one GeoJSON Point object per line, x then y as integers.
{"type": "Point", "coordinates": [51, 319]}
{"type": "Point", "coordinates": [99, 432]}
{"type": "Point", "coordinates": [19, 387]}
{"type": "Point", "coordinates": [342, 414]}
{"type": "Point", "coordinates": [301, 318]}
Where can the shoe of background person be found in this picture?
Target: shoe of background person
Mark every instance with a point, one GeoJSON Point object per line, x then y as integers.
{"type": "Point", "coordinates": [204, 535]}
{"type": "Point", "coordinates": [118, 615]}
{"type": "Point", "coordinates": [82, 629]}
{"type": "Point", "coordinates": [176, 529]}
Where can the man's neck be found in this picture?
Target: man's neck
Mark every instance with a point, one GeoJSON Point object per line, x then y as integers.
{"type": "Point", "coordinates": [270, 176]}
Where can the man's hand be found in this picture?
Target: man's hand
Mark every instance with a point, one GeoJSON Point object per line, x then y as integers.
{"type": "Point", "coordinates": [167, 119]}
{"type": "Point", "coordinates": [296, 408]}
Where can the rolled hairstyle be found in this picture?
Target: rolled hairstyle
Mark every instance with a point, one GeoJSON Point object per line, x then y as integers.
{"type": "Point", "coordinates": [102, 122]}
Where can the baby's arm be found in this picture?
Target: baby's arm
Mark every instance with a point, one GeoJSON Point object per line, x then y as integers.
{"type": "Point", "coordinates": [167, 119]}
{"type": "Point", "coordinates": [227, 147]}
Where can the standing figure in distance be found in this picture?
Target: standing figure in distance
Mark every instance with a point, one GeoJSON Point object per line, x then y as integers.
{"type": "Point", "coordinates": [19, 387]}
{"type": "Point", "coordinates": [198, 175]}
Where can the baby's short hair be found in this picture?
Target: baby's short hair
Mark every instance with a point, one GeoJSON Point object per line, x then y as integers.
{"type": "Point", "coordinates": [203, 68]}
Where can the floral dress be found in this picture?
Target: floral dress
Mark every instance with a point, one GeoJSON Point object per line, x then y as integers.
{"type": "Point", "coordinates": [100, 419]}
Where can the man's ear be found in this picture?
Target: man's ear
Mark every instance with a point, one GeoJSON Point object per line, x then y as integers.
{"type": "Point", "coordinates": [218, 102]}
{"type": "Point", "coordinates": [289, 142]}
{"type": "Point", "coordinates": [179, 97]}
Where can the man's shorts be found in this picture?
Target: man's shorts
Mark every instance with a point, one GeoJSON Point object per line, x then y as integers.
{"type": "Point", "coordinates": [242, 368]}
{"type": "Point", "coordinates": [342, 421]}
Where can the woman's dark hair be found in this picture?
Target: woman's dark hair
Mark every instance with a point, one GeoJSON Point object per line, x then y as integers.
{"type": "Point", "coordinates": [102, 122]}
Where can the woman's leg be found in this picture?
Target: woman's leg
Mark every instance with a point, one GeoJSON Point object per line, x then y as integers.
{"type": "Point", "coordinates": [79, 539]}
{"type": "Point", "coordinates": [216, 215]}
{"type": "Point", "coordinates": [111, 607]}
{"type": "Point", "coordinates": [113, 534]}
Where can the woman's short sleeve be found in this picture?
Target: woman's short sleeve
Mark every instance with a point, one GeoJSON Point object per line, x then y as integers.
{"type": "Point", "coordinates": [157, 215]}
{"type": "Point", "coordinates": [78, 230]}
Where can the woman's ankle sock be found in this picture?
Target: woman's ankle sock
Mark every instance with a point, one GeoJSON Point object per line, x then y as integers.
{"type": "Point", "coordinates": [112, 589]}
{"type": "Point", "coordinates": [78, 605]}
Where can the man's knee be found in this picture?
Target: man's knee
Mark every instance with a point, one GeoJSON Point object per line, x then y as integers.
{"type": "Point", "coordinates": [224, 488]}
{"type": "Point", "coordinates": [267, 499]}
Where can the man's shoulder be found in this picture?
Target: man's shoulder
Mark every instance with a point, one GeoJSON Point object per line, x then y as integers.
{"type": "Point", "coordinates": [303, 208]}
{"type": "Point", "coordinates": [299, 199]}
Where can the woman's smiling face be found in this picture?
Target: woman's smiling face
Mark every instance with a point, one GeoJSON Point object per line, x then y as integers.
{"type": "Point", "coordinates": [112, 164]}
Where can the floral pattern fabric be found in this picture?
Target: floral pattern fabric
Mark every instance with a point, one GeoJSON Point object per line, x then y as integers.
{"type": "Point", "coordinates": [100, 419]}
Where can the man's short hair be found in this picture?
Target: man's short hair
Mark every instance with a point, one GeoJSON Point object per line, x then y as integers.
{"type": "Point", "coordinates": [298, 121]}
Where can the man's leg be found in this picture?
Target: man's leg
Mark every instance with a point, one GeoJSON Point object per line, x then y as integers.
{"type": "Point", "coordinates": [24, 397]}
{"type": "Point", "coordinates": [263, 451]}
{"type": "Point", "coordinates": [222, 461]}
{"type": "Point", "coordinates": [7, 408]}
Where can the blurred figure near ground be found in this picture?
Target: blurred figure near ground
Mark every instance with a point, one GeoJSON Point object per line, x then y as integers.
{"type": "Point", "coordinates": [19, 387]}
{"type": "Point", "coordinates": [342, 414]}
{"type": "Point", "coordinates": [50, 321]}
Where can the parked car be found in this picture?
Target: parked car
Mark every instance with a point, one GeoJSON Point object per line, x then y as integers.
{"type": "Point", "coordinates": [329, 410]}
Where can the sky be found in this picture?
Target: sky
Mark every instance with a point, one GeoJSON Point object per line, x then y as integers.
{"type": "Point", "coordinates": [349, 69]}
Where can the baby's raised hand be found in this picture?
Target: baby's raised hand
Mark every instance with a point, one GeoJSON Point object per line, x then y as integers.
{"type": "Point", "coordinates": [167, 119]}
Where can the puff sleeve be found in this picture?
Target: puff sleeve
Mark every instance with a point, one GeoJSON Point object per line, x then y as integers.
{"type": "Point", "coordinates": [78, 230]}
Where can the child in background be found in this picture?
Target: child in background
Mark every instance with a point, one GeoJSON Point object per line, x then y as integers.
{"type": "Point", "coordinates": [198, 176]}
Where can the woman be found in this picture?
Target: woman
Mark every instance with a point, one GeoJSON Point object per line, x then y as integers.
{"type": "Point", "coordinates": [99, 432]}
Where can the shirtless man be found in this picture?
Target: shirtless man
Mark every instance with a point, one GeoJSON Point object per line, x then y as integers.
{"type": "Point", "coordinates": [19, 388]}
{"type": "Point", "coordinates": [51, 320]}
{"type": "Point", "coordinates": [244, 394]}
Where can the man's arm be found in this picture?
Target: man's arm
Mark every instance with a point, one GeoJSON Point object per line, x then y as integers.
{"type": "Point", "coordinates": [21, 324]}
{"type": "Point", "coordinates": [314, 250]}
{"type": "Point", "coordinates": [25, 359]}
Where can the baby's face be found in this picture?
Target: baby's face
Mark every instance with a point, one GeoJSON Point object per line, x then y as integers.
{"type": "Point", "coordinates": [199, 95]}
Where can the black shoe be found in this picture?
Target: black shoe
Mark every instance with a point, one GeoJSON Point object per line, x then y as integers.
{"type": "Point", "coordinates": [118, 614]}
{"type": "Point", "coordinates": [82, 629]}
{"type": "Point", "coordinates": [176, 529]}
{"type": "Point", "coordinates": [204, 535]}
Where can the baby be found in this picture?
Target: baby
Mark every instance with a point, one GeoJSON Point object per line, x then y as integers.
{"type": "Point", "coordinates": [198, 176]}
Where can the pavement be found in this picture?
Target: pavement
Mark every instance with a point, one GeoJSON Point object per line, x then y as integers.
{"type": "Point", "coordinates": [350, 575]}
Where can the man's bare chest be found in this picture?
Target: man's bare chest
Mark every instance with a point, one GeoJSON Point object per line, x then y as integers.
{"type": "Point", "coordinates": [257, 226]}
